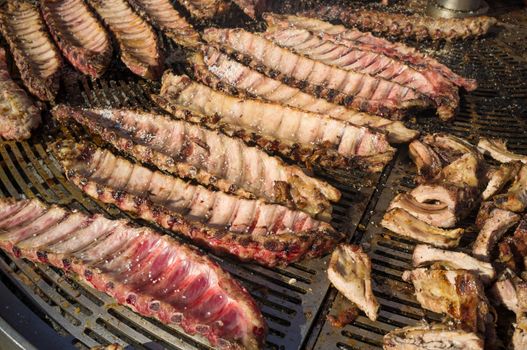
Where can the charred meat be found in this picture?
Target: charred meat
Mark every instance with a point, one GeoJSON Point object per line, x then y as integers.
{"type": "Point", "coordinates": [205, 9]}
{"type": "Point", "coordinates": [150, 273]}
{"type": "Point", "coordinates": [209, 157]}
{"type": "Point", "coordinates": [221, 72]}
{"type": "Point", "coordinates": [519, 338]}
{"type": "Point", "coordinates": [402, 223]}
{"type": "Point", "coordinates": [428, 163]}
{"type": "Point", "coordinates": [511, 291]}
{"type": "Point", "coordinates": [253, 8]}
{"type": "Point", "coordinates": [248, 229]}
{"type": "Point", "coordinates": [359, 91]}
{"type": "Point", "coordinates": [425, 255]}
{"type": "Point", "coordinates": [450, 148]}
{"type": "Point", "coordinates": [497, 149]}
{"type": "Point", "coordinates": [35, 54]}
{"type": "Point", "coordinates": [332, 142]}
{"type": "Point", "coordinates": [78, 33]}
{"type": "Point", "coordinates": [350, 272]}
{"type": "Point", "coordinates": [18, 114]}
{"type": "Point", "coordinates": [138, 43]}
{"type": "Point", "coordinates": [435, 214]}
{"type": "Point", "coordinates": [515, 199]}
{"type": "Point", "coordinates": [499, 177]}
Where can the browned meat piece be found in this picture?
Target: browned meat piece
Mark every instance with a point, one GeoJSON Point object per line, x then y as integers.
{"type": "Point", "coordinates": [152, 274]}
{"type": "Point", "coordinates": [428, 163]}
{"type": "Point", "coordinates": [163, 15]}
{"type": "Point", "coordinates": [494, 223]}
{"type": "Point", "coordinates": [221, 72]}
{"type": "Point", "coordinates": [18, 114]}
{"type": "Point", "coordinates": [367, 42]}
{"type": "Point", "coordinates": [463, 172]}
{"type": "Point", "coordinates": [519, 338]}
{"type": "Point", "coordinates": [35, 54]}
{"type": "Point", "coordinates": [269, 234]}
{"type": "Point", "coordinates": [78, 33]}
{"type": "Point", "coordinates": [513, 250]}
{"type": "Point", "coordinates": [497, 149]}
{"type": "Point", "coordinates": [425, 255]}
{"type": "Point", "coordinates": [253, 8]}
{"type": "Point", "coordinates": [205, 9]}
{"type": "Point", "coordinates": [516, 197]}
{"type": "Point", "coordinates": [349, 271]}
{"type": "Point", "coordinates": [138, 43]}
{"type": "Point", "coordinates": [450, 147]}
{"type": "Point", "coordinates": [209, 157]}
{"type": "Point", "coordinates": [457, 293]}
{"type": "Point", "coordinates": [435, 214]}
{"type": "Point", "coordinates": [303, 136]}
{"type": "Point", "coordinates": [336, 53]}
{"type": "Point", "coordinates": [359, 91]}
{"type": "Point", "coordinates": [510, 291]}
{"type": "Point", "coordinates": [432, 337]}
{"type": "Point", "coordinates": [408, 26]}
{"type": "Point", "coordinates": [402, 223]}
{"type": "Point", "coordinates": [499, 177]}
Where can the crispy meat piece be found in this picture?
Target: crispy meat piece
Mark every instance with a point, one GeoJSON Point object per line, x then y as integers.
{"type": "Point", "coordinates": [450, 147]}
{"type": "Point", "coordinates": [432, 337]}
{"type": "Point", "coordinates": [425, 255]}
{"type": "Point", "coordinates": [209, 157]}
{"type": "Point", "coordinates": [19, 114]}
{"type": "Point", "coordinates": [356, 90]}
{"type": "Point", "coordinates": [513, 249]}
{"type": "Point", "coordinates": [350, 272]}
{"type": "Point", "coordinates": [152, 274]}
{"type": "Point", "coordinates": [435, 214]}
{"type": "Point", "coordinates": [427, 161]}
{"type": "Point", "coordinates": [205, 9]}
{"type": "Point", "coordinates": [327, 141]}
{"type": "Point", "coordinates": [253, 8]}
{"type": "Point", "coordinates": [138, 43]}
{"type": "Point", "coordinates": [497, 149]}
{"type": "Point", "coordinates": [77, 32]}
{"type": "Point", "coordinates": [270, 234]}
{"type": "Point", "coordinates": [499, 177]}
{"type": "Point", "coordinates": [402, 223]}
{"type": "Point", "coordinates": [519, 338]}
{"type": "Point", "coordinates": [35, 54]}
{"type": "Point", "coordinates": [515, 199]}
{"type": "Point", "coordinates": [221, 72]}
{"type": "Point", "coordinates": [511, 291]}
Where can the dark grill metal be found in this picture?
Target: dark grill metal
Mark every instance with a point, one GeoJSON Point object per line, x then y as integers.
{"type": "Point", "coordinates": [294, 300]}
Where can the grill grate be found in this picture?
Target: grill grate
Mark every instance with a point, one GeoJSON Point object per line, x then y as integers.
{"type": "Point", "coordinates": [294, 300]}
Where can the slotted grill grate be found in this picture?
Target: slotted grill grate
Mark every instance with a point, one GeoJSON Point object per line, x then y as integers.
{"type": "Point", "coordinates": [295, 300]}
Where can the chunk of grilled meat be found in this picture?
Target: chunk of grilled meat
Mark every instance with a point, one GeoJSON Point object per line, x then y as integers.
{"type": "Point", "coordinates": [425, 255]}
{"type": "Point", "coordinates": [163, 15]}
{"type": "Point", "coordinates": [359, 91]}
{"type": "Point", "coordinates": [221, 72]}
{"type": "Point", "coordinates": [497, 149]}
{"type": "Point", "coordinates": [205, 9]}
{"type": "Point", "coordinates": [432, 337]}
{"type": "Point", "coordinates": [138, 43]}
{"type": "Point", "coordinates": [78, 33]}
{"type": "Point", "coordinates": [463, 172]}
{"type": "Point", "coordinates": [407, 26]}
{"type": "Point", "coordinates": [152, 274]}
{"type": "Point", "coordinates": [499, 177]}
{"type": "Point", "coordinates": [516, 197]}
{"type": "Point", "coordinates": [349, 271]}
{"type": "Point", "coordinates": [302, 136]}
{"type": "Point", "coordinates": [402, 223]}
{"type": "Point", "coordinates": [209, 157]}
{"type": "Point", "coordinates": [35, 54]}
{"type": "Point", "coordinates": [493, 223]}
{"type": "Point", "coordinates": [511, 291]}
{"type": "Point", "coordinates": [365, 41]}
{"type": "Point", "coordinates": [19, 115]}
{"type": "Point", "coordinates": [519, 338]}
{"type": "Point", "coordinates": [336, 53]}
{"type": "Point", "coordinates": [269, 234]}
{"type": "Point", "coordinates": [457, 293]}
{"type": "Point", "coordinates": [253, 8]}
{"type": "Point", "coordinates": [427, 161]}
{"type": "Point", "coordinates": [435, 214]}
{"type": "Point", "coordinates": [450, 147]}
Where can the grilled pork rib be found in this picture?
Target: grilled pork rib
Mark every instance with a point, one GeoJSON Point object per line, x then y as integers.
{"type": "Point", "coordinates": [297, 133]}
{"type": "Point", "coordinates": [205, 9]}
{"type": "Point", "coordinates": [209, 157]}
{"type": "Point", "coordinates": [510, 291]}
{"type": "Point", "coordinates": [427, 161]}
{"type": "Point", "coordinates": [19, 114]}
{"type": "Point", "coordinates": [150, 273]}
{"type": "Point", "coordinates": [450, 148]}
{"type": "Point", "coordinates": [435, 214]}
{"type": "Point", "coordinates": [163, 15]}
{"type": "Point", "coordinates": [219, 71]}
{"type": "Point", "coordinates": [402, 223]}
{"type": "Point", "coordinates": [248, 229]}
{"type": "Point", "coordinates": [499, 177]}
{"type": "Point", "coordinates": [349, 271]}
{"type": "Point", "coordinates": [425, 255]}
{"type": "Point", "coordinates": [431, 337]}
{"type": "Point", "coordinates": [78, 33]}
{"type": "Point", "coordinates": [138, 43]}
{"type": "Point", "coordinates": [497, 149]}
{"type": "Point", "coordinates": [359, 91]}
{"type": "Point", "coordinates": [336, 53]}
{"type": "Point", "coordinates": [35, 54]}
{"type": "Point", "coordinates": [365, 41]}
{"type": "Point", "coordinates": [515, 199]}
{"type": "Point", "coordinates": [519, 338]}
